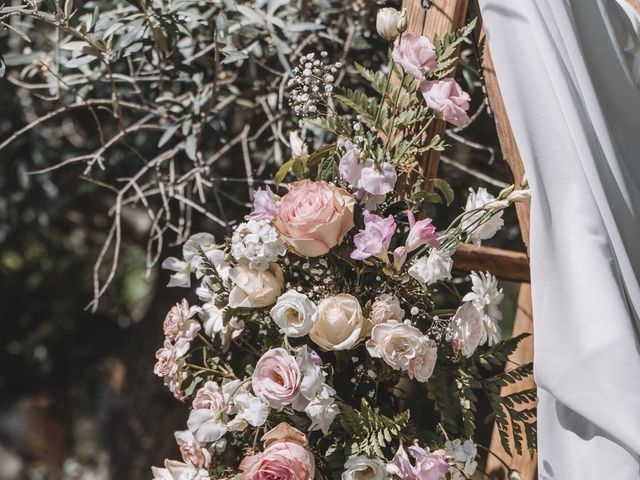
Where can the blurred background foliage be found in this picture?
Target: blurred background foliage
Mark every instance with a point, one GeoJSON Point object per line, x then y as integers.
{"type": "Point", "coordinates": [125, 126]}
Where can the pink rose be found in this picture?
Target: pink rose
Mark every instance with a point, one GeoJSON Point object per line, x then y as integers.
{"type": "Point", "coordinates": [415, 54]}
{"type": "Point", "coordinates": [265, 205]}
{"type": "Point", "coordinates": [375, 238]}
{"type": "Point", "coordinates": [276, 379]}
{"type": "Point", "coordinates": [170, 366]}
{"type": "Point", "coordinates": [314, 217]}
{"type": "Point", "coordinates": [386, 307]}
{"type": "Point", "coordinates": [180, 327]}
{"type": "Point", "coordinates": [285, 457]}
{"type": "Point", "coordinates": [421, 233]}
{"type": "Point", "coordinates": [447, 97]}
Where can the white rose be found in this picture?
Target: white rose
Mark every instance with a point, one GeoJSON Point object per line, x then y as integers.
{"type": "Point", "coordinates": [468, 329]}
{"type": "Point", "coordinates": [294, 313]}
{"type": "Point", "coordinates": [254, 288]}
{"type": "Point", "coordinates": [339, 324]}
{"type": "Point", "coordinates": [434, 268]}
{"type": "Point", "coordinates": [421, 367]}
{"type": "Point", "coordinates": [363, 468]}
{"type": "Point", "coordinates": [387, 23]}
{"type": "Point", "coordinates": [396, 343]}
{"type": "Point", "coordinates": [386, 307]}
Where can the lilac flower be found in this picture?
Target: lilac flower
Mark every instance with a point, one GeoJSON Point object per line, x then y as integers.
{"type": "Point", "coordinates": [350, 168]}
{"type": "Point", "coordinates": [428, 465]}
{"type": "Point", "coordinates": [265, 205]}
{"type": "Point", "coordinates": [422, 233]}
{"type": "Point", "coordinates": [375, 238]}
{"type": "Point", "coordinates": [378, 181]}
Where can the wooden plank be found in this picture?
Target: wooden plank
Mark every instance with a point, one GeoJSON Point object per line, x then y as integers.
{"type": "Point", "coordinates": [504, 264]}
{"type": "Point", "coordinates": [522, 463]}
{"type": "Point", "coordinates": [635, 4]}
{"type": "Point", "coordinates": [442, 17]}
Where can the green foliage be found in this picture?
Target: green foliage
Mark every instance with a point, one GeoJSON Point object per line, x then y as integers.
{"type": "Point", "coordinates": [370, 431]}
{"type": "Point", "coordinates": [368, 108]}
{"type": "Point", "coordinates": [446, 48]}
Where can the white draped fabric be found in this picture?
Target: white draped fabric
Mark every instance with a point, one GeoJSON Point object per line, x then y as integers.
{"type": "Point", "coordinates": [569, 72]}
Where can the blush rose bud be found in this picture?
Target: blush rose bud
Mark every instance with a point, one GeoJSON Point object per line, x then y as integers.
{"type": "Point", "coordinates": [402, 22]}
{"type": "Point", "coordinates": [387, 23]}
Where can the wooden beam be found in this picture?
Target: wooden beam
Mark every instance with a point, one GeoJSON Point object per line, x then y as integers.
{"type": "Point", "coordinates": [444, 16]}
{"type": "Point", "coordinates": [504, 264]}
{"type": "Point", "coordinates": [635, 4]}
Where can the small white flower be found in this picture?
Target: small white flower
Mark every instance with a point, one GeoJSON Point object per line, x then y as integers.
{"type": "Point", "coordinates": [468, 329]}
{"type": "Point", "coordinates": [298, 147]}
{"type": "Point", "coordinates": [363, 468]}
{"type": "Point", "coordinates": [387, 24]}
{"type": "Point", "coordinates": [212, 319]}
{"type": "Point", "coordinates": [471, 223]}
{"type": "Point", "coordinates": [486, 298]}
{"type": "Point", "coordinates": [294, 313]}
{"type": "Point", "coordinates": [175, 470]}
{"type": "Point", "coordinates": [322, 412]}
{"type": "Point", "coordinates": [250, 409]}
{"type": "Point", "coordinates": [258, 242]}
{"type": "Point", "coordinates": [434, 268]}
{"type": "Point", "coordinates": [191, 262]}
{"type": "Point", "coordinates": [464, 455]}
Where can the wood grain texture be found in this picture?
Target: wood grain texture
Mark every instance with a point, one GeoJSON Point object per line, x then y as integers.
{"type": "Point", "coordinates": [525, 464]}
{"type": "Point", "coordinates": [635, 4]}
{"type": "Point", "coordinates": [504, 264]}
{"type": "Point", "coordinates": [444, 16]}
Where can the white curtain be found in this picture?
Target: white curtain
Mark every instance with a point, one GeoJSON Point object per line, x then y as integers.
{"type": "Point", "coordinates": [569, 72]}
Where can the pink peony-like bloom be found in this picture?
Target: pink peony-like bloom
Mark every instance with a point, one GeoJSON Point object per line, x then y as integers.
{"type": "Point", "coordinates": [276, 379]}
{"type": "Point", "coordinates": [170, 366]}
{"type": "Point", "coordinates": [350, 168]}
{"type": "Point", "coordinates": [375, 238]}
{"type": "Point", "coordinates": [285, 457]}
{"type": "Point", "coordinates": [378, 180]}
{"type": "Point", "coordinates": [422, 232]}
{"type": "Point", "coordinates": [192, 451]}
{"type": "Point", "coordinates": [447, 97]}
{"type": "Point", "coordinates": [265, 204]}
{"type": "Point", "coordinates": [314, 217]}
{"type": "Point", "coordinates": [415, 54]}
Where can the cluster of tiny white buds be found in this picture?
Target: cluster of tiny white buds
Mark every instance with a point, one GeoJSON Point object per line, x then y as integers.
{"type": "Point", "coordinates": [311, 84]}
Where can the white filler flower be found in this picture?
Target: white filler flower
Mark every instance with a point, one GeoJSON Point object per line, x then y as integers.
{"type": "Point", "coordinates": [486, 298]}
{"type": "Point", "coordinates": [294, 313]}
{"type": "Point", "coordinates": [258, 242]}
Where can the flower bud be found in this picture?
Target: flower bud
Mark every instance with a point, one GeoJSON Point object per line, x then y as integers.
{"type": "Point", "coordinates": [497, 204]}
{"type": "Point", "coordinates": [519, 196]}
{"type": "Point", "coordinates": [514, 475]}
{"type": "Point", "coordinates": [387, 23]}
{"type": "Point", "coordinates": [298, 147]}
{"type": "Point", "coordinates": [402, 21]}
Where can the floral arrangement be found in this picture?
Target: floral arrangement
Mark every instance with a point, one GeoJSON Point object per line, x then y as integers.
{"type": "Point", "coordinates": [320, 350]}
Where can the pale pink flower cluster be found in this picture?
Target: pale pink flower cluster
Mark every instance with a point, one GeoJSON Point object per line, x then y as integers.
{"type": "Point", "coordinates": [286, 456]}
{"type": "Point", "coordinates": [179, 329]}
{"type": "Point", "coordinates": [403, 347]}
{"type": "Point", "coordinates": [417, 57]}
{"type": "Point", "coordinates": [426, 465]}
{"type": "Point", "coordinates": [192, 451]}
{"type": "Point", "coordinates": [265, 205]}
{"type": "Point", "coordinates": [375, 238]}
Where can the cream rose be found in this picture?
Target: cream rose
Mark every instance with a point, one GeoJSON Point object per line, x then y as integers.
{"type": "Point", "coordinates": [421, 367]}
{"type": "Point", "coordinates": [294, 313]}
{"type": "Point", "coordinates": [386, 307]}
{"type": "Point", "coordinates": [254, 288]}
{"type": "Point", "coordinates": [396, 343]}
{"type": "Point", "coordinates": [468, 329]}
{"type": "Point", "coordinates": [339, 324]}
{"type": "Point", "coordinates": [314, 217]}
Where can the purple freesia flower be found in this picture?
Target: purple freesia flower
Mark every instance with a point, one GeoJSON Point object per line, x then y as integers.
{"type": "Point", "coordinates": [265, 204]}
{"type": "Point", "coordinates": [422, 232]}
{"type": "Point", "coordinates": [428, 465]}
{"type": "Point", "coordinates": [375, 238]}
